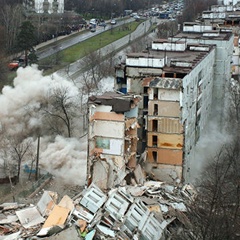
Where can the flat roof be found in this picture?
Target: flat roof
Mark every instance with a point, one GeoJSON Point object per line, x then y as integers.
{"type": "Point", "coordinates": [188, 56]}
{"type": "Point", "coordinates": [199, 35]}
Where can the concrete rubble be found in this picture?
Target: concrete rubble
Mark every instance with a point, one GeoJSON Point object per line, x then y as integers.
{"type": "Point", "coordinates": [148, 211]}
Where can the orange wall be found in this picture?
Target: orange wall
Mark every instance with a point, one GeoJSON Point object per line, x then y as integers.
{"type": "Point", "coordinates": [166, 156]}
{"type": "Point", "coordinates": [166, 140]}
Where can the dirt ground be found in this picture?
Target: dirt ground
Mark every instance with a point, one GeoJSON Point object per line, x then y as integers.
{"type": "Point", "coordinates": [23, 191]}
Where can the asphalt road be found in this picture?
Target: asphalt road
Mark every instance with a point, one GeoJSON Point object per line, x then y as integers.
{"type": "Point", "coordinates": [73, 70]}
{"type": "Point", "coordinates": [55, 45]}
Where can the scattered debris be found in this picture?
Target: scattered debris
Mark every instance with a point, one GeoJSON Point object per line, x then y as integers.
{"type": "Point", "coordinates": [148, 211]}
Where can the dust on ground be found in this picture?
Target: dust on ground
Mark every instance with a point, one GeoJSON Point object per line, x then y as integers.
{"type": "Point", "coordinates": [23, 191]}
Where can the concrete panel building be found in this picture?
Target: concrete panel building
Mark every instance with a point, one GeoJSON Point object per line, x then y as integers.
{"type": "Point", "coordinates": [183, 81]}
{"type": "Point", "coordinates": [222, 62]}
{"type": "Point", "coordinates": [44, 6]}
{"type": "Point", "coordinates": [112, 139]}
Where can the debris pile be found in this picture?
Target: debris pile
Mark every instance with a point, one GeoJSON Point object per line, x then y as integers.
{"type": "Point", "coordinates": [147, 211]}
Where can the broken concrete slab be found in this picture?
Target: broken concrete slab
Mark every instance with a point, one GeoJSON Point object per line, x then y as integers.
{"type": "Point", "coordinates": [106, 231]}
{"type": "Point", "coordinates": [57, 217]}
{"type": "Point", "coordinates": [116, 205]}
{"type": "Point", "coordinates": [124, 212]}
{"type": "Point", "coordinates": [93, 198]}
{"type": "Point", "coordinates": [29, 217]}
{"type": "Point", "coordinates": [9, 206]}
{"type": "Point", "coordinates": [8, 219]}
{"type": "Point", "coordinates": [83, 214]}
{"type": "Point", "coordinates": [47, 202]}
{"type": "Point", "coordinates": [139, 175]}
{"type": "Point", "coordinates": [69, 233]}
{"type": "Point", "coordinates": [67, 202]}
{"type": "Point", "coordinates": [12, 236]}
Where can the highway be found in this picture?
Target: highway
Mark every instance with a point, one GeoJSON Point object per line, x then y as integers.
{"type": "Point", "coordinates": [60, 43]}
{"type": "Point", "coordinates": [75, 69]}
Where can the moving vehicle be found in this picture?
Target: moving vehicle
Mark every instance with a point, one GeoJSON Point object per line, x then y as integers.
{"type": "Point", "coordinates": [113, 22]}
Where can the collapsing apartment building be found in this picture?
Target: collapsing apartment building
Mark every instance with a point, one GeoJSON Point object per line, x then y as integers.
{"type": "Point", "coordinates": [181, 80]}
{"type": "Point", "coordinates": [112, 140]}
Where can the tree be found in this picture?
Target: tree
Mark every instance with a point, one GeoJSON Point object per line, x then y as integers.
{"type": "Point", "coordinates": [18, 149]}
{"type": "Point", "coordinates": [11, 18]}
{"type": "Point", "coordinates": [60, 111]}
{"type": "Point", "coordinates": [194, 8]}
{"type": "Point", "coordinates": [167, 29]}
{"type": "Point", "coordinates": [97, 67]}
{"type": "Point", "coordinates": [3, 62]}
{"type": "Point", "coordinates": [26, 39]}
{"type": "Point", "coordinates": [215, 213]}
{"type": "Point", "coordinates": [92, 64]}
{"type": "Point", "coordinates": [234, 106]}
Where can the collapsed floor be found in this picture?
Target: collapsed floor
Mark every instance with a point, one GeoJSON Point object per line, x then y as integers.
{"type": "Point", "coordinates": [148, 211]}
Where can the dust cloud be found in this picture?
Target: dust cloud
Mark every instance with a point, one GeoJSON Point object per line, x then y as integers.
{"type": "Point", "coordinates": [20, 113]}
{"type": "Point", "coordinates": [209, 144]}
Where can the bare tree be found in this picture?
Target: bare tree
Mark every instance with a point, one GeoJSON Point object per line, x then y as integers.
{"type": "Point", "coordinates": [91, 64]}
{"type": "Point", "coordinates": [3, 62]}
{"type": "Point", "coordinates": [167, 29]}
{"type": "Point", "coordinates": [215, 213]}
{"type": "Point", "coordinates": [7, 164]}
{"type": "Point", "coordinates": [234, 106]}
{"type": "Point", "coordinates": [107, 63]}
{"type": "Point", "coordinates": [18, 149]}
{"type": "Point", "coordinates": [11, 19]}
{"type": "Point", "coordinates": [96, 66]}
{"type": "Point", "coordinates": [14, 146]}
{"type": "Point", "coordinates": [61, 111]}
{"type": "Point", "coordinates": [194, 8]}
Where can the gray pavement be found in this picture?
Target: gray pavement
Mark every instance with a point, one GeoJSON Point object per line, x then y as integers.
{"type": "Point", "coordinates": [74, 70]}
{"type": "Point", "coordinates": [57, 44]}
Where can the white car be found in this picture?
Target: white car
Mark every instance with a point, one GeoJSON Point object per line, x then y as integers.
{"type": "Point", "coordinates": [136, 17]}
{"type": "Point", "coordinates": [113, 22]}
{"type": "Point", "coordinates": [93, 21]}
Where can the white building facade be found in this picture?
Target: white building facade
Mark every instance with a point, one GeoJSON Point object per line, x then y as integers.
{"type": "Point", "coordinates": [176, 82]}
{"type": "Point", "coordinates": [222, 61]}
{"type": "Point", "coordinates": [44, 6]}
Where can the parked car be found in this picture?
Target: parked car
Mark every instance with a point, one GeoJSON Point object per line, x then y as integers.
{"type": "Point", "coordinates": [13, 65]}
{"type": "Point", "coordinates": [93, 21]}
{"type": "Point", "coordinates": [113, 22]}
{"type": "Point", "coordinates": [102, 24]}
{"type": "Point", "coordinates": [16, 63]}
{"type": "Point", "coordinates": [93, 29]}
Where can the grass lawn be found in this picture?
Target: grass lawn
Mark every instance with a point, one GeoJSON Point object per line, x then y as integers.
{"type": "Point", "coordinates": [77, 51]}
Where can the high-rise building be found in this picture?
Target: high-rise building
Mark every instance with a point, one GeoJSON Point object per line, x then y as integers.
{"type": "Point", "coordinates": [44, 6]}
{"type": "Point", "coordinates": [182, 81]}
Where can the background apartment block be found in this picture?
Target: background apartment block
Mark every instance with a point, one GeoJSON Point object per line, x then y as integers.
{"type": "Point", "coordinates": [175, 80]}
{"type": "Point", "coordinates": [44, 6]}
{"type": "Point", "coordinates": [200, 34]}
{"type": "Point", "coordinates": [183, 82]}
